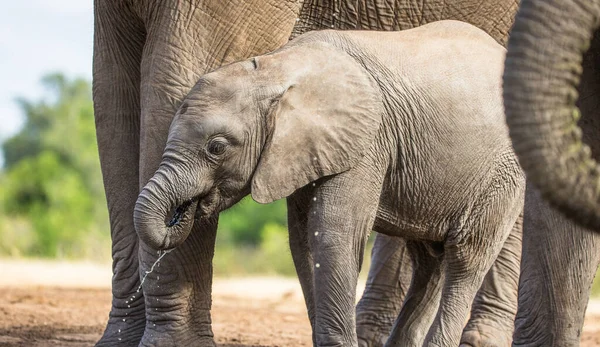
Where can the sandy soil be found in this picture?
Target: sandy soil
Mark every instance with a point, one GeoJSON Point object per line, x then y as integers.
{"type": "Point", "coordinates": [61, 304]}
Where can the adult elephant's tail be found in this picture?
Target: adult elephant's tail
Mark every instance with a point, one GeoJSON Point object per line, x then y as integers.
{"type": "Point", "coordinates": [543, 70]}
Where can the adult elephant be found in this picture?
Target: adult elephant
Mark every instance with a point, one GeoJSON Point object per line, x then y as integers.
{"type": "Point", "coordinates": [554, 57]}
{"type": "Point", "coordinates": [147, 55]}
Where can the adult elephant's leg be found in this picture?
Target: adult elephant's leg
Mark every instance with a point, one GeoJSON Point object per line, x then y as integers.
{"type": "Point", "coordinates": [178, 290]}
{"type": "Point", "coordinates": [557, 269]}
{"type": "Point", "coordinates": [118, 43]}
{"type": "Point", "coordinates": [389, 277]}
{"type": "Point", "coordinates": [185, 40]}
{"type": "Point", "coordinates": [495, 306]}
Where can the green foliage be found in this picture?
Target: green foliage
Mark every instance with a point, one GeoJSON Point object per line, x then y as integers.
{"type": "Point", "coordinates": [596, 285]}
{"type": "Point", "coordinates": [271, 257]}
{"type": "Point", "coordinates": [52, 198]}
{"type": "Point", "coordinates": [244, 222]}
{"type": "Point", "coordinates": [253, 239]}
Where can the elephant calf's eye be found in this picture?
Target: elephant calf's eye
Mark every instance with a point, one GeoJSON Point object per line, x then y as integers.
{"type": "Point", "coordinates": [216, 146]}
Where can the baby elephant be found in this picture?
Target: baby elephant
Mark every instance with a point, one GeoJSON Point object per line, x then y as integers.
{"type": "Point", "coordinates": [402, 132]}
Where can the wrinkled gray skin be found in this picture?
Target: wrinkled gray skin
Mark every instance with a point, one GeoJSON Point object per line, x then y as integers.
{"type": "Point", "coordinates": [147, 55]}
{"type": "Point", "coordinates": [491, 322]}
{"type": "Point", "coordinates": [551, 78]}
{"type": "Point", "coordinates": [572, 186]}
{"type": "Point", "coordinates": [380, 138]}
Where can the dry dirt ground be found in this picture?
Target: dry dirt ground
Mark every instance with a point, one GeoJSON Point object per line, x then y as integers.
{"type": "Point", "coordinates": [59, 304]}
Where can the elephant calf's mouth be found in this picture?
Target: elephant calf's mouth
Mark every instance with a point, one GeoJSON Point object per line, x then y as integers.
{"type": "Point", "coordinates": [180, 212]}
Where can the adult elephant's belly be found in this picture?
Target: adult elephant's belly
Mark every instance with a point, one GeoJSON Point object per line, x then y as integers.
{"type": "Point", "coordinates": [495, 17]}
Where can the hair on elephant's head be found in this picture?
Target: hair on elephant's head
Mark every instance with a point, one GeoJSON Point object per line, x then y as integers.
{"type": "Point", "coordinates": [268, 125]}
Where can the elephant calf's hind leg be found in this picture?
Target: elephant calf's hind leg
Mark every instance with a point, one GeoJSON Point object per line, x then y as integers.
{"type": "Point", "coordinates": [389, 277]}
{"type": "Point", "coordinates": [422, 300]}
{"type": "Point", "coordinates": [495, 306]}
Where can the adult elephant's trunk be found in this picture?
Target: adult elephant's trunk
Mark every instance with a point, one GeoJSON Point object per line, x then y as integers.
{"type": "Point", "coordinates": [543, 70]}
{"type": "Point", "coordinates": [162, 218]}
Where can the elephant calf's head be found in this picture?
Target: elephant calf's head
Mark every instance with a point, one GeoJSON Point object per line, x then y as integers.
{"type": "Point", "coordinates": [268, 125]}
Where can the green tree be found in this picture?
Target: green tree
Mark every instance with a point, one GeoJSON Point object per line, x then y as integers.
{"type": "Point", "coordinates": [52, 176]}
{"type": "Point", "coordinates": [244, 222]}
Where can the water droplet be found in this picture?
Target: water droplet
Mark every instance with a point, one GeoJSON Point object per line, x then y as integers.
{"type": "Point", "coordinates": [316, 233]}
{"type": "Point", "coordinates": [314, 158]}
{"type": "Point", "coordinates": [297, 19]}
{"type": "Point", "coordinates": [153, 325]}
{"type": "Point", "coordinates": [119, 339]}
{"type": "Point", "coordinates": [128, 305]}
{"type": "Point", "coordinates": [123, 319]}
{"type": "Point", "coordinates": [119, 330]}
{"type": "Point", "coordinates": [332, 25]}
{"type": "Point", "coordinates": [317, 265]}
{"type": "Point", "coordinates": [156, 263]}
{"type": "Point", "coordinates": [126, 301]}
{"type": "Point", "coordinates": [314, 184]}
{"type": "Point", "coordinates": [315, 198]}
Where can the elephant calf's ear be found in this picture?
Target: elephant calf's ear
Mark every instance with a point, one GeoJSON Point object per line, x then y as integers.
{"type": "Point", "coordinates": [323, 124]}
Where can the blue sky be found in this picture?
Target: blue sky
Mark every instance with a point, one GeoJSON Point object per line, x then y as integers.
{"type": "Point", "coordinates": [38, 37]}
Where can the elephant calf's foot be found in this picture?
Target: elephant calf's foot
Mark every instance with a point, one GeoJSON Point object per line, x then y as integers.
{"type": "Point", "coordinates": [485, 337]}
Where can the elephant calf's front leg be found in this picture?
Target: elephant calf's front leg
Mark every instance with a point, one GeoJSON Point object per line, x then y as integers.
{"type": "Point", "coordinates": [297, 207]}
{"type": "Point", "coordinates": [340, 218]}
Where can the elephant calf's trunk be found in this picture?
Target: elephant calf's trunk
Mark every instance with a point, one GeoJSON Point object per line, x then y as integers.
{"type": "Point", "coordinates": [151, 222]}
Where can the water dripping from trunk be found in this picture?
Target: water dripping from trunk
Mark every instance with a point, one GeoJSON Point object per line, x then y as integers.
{"type": "Point", "coordinates": [161, 254]}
